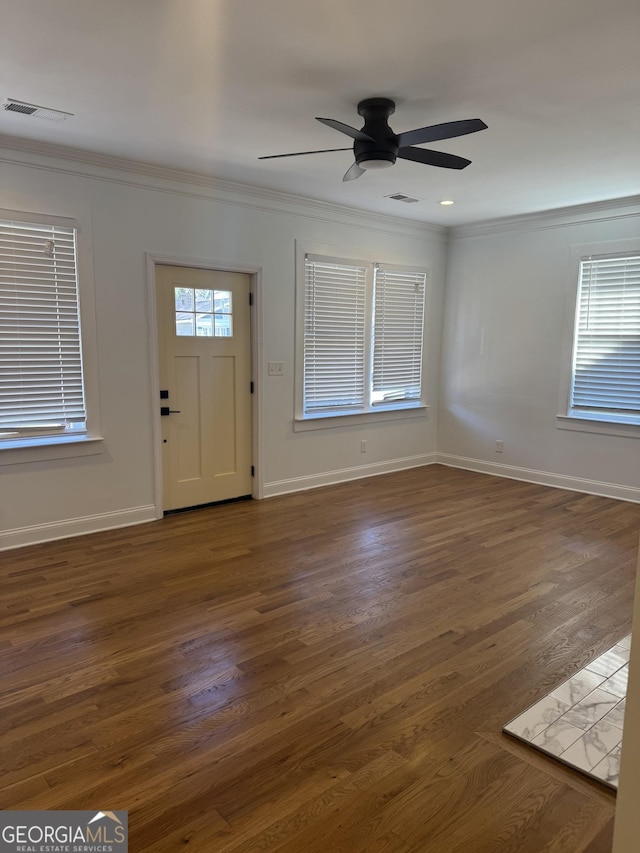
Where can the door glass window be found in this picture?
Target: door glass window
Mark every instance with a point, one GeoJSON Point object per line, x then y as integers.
{"type": "Point", "coordinates": [203, 313]}
{"type": "Point", "coordinates": [223, 315]}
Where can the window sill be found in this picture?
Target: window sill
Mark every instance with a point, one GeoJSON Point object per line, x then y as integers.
{"type": "Point", "coordinates": [52, 447]}
{"type": "Point", "coordinates": [381, 416]}
{"type": "Point", "coordinates": [597, 424]}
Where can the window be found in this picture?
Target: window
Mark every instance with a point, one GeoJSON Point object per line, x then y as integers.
{"type": "Point", "coordinates": [362, 338]}
{"type": "Point", "coordinates": [203, 313]}
{"type": "Point", "coordinates": [41, 366]}
{"type": "Point", "coordinates": [397, 335]}
{"type": "Point", "coordinates": [605, 378]}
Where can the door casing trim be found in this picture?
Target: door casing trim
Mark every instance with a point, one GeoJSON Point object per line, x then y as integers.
{"type": "Point", "coordinates": [151, 260]}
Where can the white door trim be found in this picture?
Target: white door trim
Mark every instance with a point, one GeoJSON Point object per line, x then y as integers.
{"type": "Point", "coordinates": [151, 259]}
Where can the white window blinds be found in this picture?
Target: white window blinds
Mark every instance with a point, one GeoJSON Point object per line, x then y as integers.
{"type": "Point", "coordinates": [606, 361]}
{"type": "Point", "coordinates": [398, 335]}
{"type": "Point", "coordinates": [334, 336]}
{"type": "Point", "coordinates": [363, 337]}
{"type": "Point", "coordinates": [41, 385]}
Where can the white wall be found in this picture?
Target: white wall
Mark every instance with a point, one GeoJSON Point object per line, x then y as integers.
{"type": "Point", "coordinates": [129, 213]}
{"type": "Point", "coordinates": [503, 339]}
{"type": "Point", "coordinates": [504, 347]}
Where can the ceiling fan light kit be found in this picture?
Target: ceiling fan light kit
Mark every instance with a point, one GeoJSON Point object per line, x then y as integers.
{"type": "Point", "coordinates": [376, 146]}
{"type": "Point", "coordinates": [370, 163]}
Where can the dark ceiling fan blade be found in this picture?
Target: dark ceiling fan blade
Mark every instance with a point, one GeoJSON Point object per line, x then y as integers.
{"type": "Point", "coordinates": [447, 130]}
{"type": "Point", "coordinates": [300, 153]}
{"type": "Point", "coordinates": [345, 128]}
{"type": "Point", "coordinates": [433, 158]}
{"type": "Point", "coordinates": [353, 172]}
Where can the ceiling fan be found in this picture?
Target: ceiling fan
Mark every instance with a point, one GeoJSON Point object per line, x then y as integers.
{"type": "Point", "coordinates": [376, 146]}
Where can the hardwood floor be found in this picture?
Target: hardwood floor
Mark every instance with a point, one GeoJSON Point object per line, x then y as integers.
{"type": "Point", "coordinates": [326, 671]}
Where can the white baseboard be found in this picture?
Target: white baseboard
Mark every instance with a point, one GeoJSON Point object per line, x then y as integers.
{"type": "Point", "coordinates": [343, 475]}
{"type": "Point", "coordinates": [37, 533]}
{"type": "Point", "coordinates": [543, 478]}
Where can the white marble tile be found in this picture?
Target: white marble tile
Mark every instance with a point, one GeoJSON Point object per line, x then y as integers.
{"type": "Point", "coordinates": [617, 683]}
{"type": "Point", "coordinates": [591, 709]}
{"type": "Point", "coordinates": [537, 718]}
{"type": "Point", "coordinates": [593, 746]}
{"type": "Point", "coordinates": [616, 716]}
{"type": "Point", "coordinates": [557, 737]}
{"type": "Point", "coordinates": [610, 661]}
{"type": "Point", "coordinates": [609, 768]}
{"type": "Point", "coordinates": [587, 734]}
{"type": "Point", "coordinates": [578, 686]}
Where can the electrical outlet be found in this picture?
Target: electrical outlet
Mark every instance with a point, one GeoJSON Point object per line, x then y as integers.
{"type": "Point", "coordinates": [499, 446]}
{"type": "Point", "coordinates": [363, 446]}
{"type": "Point", "coordinates": [275, 368]}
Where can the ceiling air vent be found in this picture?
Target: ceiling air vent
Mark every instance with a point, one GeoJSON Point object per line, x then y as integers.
{"type": "Point", "coordinates": [33, 110]}
{"type": "Point", "coordinates": [402, 197]}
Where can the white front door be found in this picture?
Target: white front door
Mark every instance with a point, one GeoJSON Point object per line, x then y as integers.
{"type": "Point", "coordinates": [204, 343]}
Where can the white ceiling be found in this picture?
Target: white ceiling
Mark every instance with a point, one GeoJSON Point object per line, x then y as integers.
{"type": "Point", "coordinates": [210, 85]}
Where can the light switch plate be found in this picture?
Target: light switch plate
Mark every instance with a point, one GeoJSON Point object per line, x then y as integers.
{"type": "Point", "coordinates": [275, 368]}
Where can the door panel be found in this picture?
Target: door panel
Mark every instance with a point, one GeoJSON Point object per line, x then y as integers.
{"type": "Point", "coordinates": [223, 424]}
{"type": "Point", "coordinates": [204, 346]}
{"type": "Point", "coordinates": [186, 432]}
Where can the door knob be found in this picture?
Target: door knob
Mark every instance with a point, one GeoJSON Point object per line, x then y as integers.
{"type": "Point", "coordinates": [165, 410]}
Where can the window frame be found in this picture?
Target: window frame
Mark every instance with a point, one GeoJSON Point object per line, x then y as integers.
{"type": "Point", "coordinates": [584, 420]}
{"type": "Point", "coordinates": [36, 448]}
{"type": "Point", "coordinates": [392, 411]}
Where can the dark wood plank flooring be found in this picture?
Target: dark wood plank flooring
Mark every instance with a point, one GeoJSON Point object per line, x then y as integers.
{"type": "Point", "coordinates": [326, 671]}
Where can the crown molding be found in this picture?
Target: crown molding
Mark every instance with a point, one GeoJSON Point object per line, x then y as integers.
{"type": "Point", "coordinates": [79, 162]}
{"type": "Point", "coordinates": [598, 211]}
{"type": "Point", "coordinates": [136, 173]}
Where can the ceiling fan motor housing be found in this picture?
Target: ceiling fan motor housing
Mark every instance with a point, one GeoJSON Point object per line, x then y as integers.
{"type": "Point", "coordinates": [384, 144]}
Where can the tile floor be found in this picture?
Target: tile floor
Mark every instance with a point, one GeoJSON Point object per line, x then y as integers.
{"type": "Point", "coordinates": [580, 722]}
